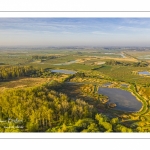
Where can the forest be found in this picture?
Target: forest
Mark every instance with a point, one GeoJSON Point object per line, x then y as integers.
{"type": "Point", "coordinates": [133, 64]}
{"type": "Point", "coordinates": [10, 72]}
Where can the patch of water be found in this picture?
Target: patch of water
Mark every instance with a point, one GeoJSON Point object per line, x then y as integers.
{"type": "Point", "coordinates": [144, 73]}
{"type": "Point", "coordinates": [64, 71]}
{"type": "Point", "coordinates": [124, 100]}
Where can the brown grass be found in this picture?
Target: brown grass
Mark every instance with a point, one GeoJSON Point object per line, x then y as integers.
{"type": "Point", "coordinates": [28, 82]}
{"type": "Point", "coordinates": [121, 59]}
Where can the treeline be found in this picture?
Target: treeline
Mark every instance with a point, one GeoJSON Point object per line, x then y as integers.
{"type": "Point", "coordinates": [11, 72]}
{"type": "Point", "coordinates": [2, 64]}
{"type": "Point", "coordinates": [36, 57]}
{"type": "Point", "coordinates": [123, 63]}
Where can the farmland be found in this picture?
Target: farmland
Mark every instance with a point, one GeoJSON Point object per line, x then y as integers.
{"type": "Point", "coordinates": [46, 101]}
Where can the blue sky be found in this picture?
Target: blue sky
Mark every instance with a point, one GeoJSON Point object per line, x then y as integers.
{"type": "Point", "coordinates": [74, 31]}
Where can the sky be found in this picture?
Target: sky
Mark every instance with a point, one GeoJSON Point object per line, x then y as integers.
{"type": "Point", "coordinates": [123, 32]}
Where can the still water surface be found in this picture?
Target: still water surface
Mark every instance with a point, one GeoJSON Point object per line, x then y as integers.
{"type": "Point", "coordinates": [144, 73]}
{"type": "Point", "coordinates": [125, 100]}
{"type": "Point", "coordinates": [64, 71]}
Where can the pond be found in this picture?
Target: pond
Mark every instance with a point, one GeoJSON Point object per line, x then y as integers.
{"type": "Point", "coordinates": [124, 85]}
{"type": "Point", "coordinates": [64, 71]}
{"type": "Point", "coordinates": [144, 73]}
{"type": "Point", "coordinates": [109, 53]}
{"type": "Point", "coordinates": [124, 100]}
{"type": "Point", "coordinates": [106, 84]}
{"type": "Point", "coordinates": [67, 63]}
{"type": "Point", "coordinates": [144, 57]}
{"type": "Point", "coordinates": [122, 55]}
